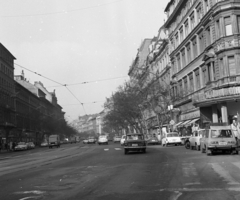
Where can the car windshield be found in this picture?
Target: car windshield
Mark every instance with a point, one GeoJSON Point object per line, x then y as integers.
{"type": "Point", "coordinates": [135, 137]}
{"type": "Point", "coordinates": [103, 136]}
{"type": "Point", "coordinates": [21, 143]}
{"type": "Point", "coordinates": [172, 135]}
{"type": "Point", "coordinates": [221, 133]}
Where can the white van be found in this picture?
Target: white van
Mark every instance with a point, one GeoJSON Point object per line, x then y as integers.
{"type": "Point", "coordinates": [54, 140]}
{"type": "Point", "coordinates": [171, 138]}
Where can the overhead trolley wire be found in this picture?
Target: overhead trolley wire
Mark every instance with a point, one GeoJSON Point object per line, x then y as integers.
{"type": "Point", "coordinates": [54, 82]}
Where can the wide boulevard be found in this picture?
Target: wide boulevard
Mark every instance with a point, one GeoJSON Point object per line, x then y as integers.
{"type": "Point", "coordinates": [92, 171]}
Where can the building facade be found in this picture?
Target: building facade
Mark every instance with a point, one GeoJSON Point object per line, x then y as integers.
{"type": "Point", "coordinates": [7, 90]}
{"type": "Point", "coordinates": [204, 52]}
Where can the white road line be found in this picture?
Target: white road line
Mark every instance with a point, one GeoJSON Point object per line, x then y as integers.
{"type": "Point", "coordinates": [237, 164]}
{"type": "Point", "coordinates": [224, 174]}
{"type": "Point", "coordinates": [118, 149]}
{"type": "Point", "coordinates": [106, 149]}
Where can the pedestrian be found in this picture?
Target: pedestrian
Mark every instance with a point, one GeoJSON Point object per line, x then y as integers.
{"type": "Point", "coordinates": [235, 128]}
{"type": "Point", "coordinates": [13, 146]}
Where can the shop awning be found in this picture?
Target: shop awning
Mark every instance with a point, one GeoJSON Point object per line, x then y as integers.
{"type": "Point", "coordinates": [185, 122]}
{"type": "Point", "coordinates": [194, 120]}
{"type": "Point", "coordinates": [179, 123]}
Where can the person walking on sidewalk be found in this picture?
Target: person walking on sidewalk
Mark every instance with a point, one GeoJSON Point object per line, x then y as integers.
{"type": "Point", "coordinates": [235, 128]}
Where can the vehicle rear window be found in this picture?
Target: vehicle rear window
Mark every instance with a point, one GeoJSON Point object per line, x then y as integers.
{"type": "Point", "coordinates": [221, 133]}
{"type": "Point", "coordinates": [134, 137]}
{"type": "Point", "coordinates": [172, 135]}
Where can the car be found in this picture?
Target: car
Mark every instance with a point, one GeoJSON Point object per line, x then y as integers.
{"type": "Point", "coordinates": [218, 138]}
{"type": "Point", "coordinates": [44, 144]}
{"type": "Point", "coordinates": [152, 140]}
{"type": "Point", "coordinates": [85, 141]}
{"type": "Point", "coordinates": [117, 139]}
{"type": "Point", "coordinates": [193, 142]}
{"type": "Point", "coordinates": [21, 146]}
{"type": "Point", "coordinates": [122, 139]}
{"type": "Point", "coordinates": [91, 140]}
{"type": "Point", "coordinates": [171, 138]}
{"type": "Point", "coordinates": [134, 142]}
{"type": "Point", "coordinates": [30, 145]}
{"type": "Point", "coordinates": [102, 139]}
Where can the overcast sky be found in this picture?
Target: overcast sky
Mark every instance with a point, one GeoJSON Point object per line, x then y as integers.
{"type": "Point", "coordinates": [76, 41]}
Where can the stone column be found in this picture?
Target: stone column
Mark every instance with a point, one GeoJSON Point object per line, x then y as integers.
{"type": "Point", "coordinates": [234, 24]}
{"type": "Point", "coordinates": [214, 114]}
{"type": "Point", "coordinates": [222, 27]}
{"type": "Point", "coordinates": [224, 112]}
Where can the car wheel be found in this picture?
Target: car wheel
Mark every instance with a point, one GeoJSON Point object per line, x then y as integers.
{"type": "Point", "coordinates": [209, 152]}
{"type": "Point", "coordinates": [125, 151]}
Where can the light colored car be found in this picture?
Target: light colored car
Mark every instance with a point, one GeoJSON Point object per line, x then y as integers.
{"type": "Point", "coordinates": [152, 140]}
{"type": "Point", "coordinates": [122, 139]}
{"type": "Point", "coordinates": [44, 144]}
{"type": "Point", "coordinates": [116, 138]}
{"type": "Point", "coordinates": [85, 141]}
{"type": "Point", "coordinates": [31, 145]}
{"type": "Point", "coordinates": [193, 142]}
{"type": "Point", "coordinates": [21, 146]}
{"type": "Point", "coordinates": [134, 142]}
{"type": "Point", "coordinates": [102, 139]}
{"type": "Point", "coordinates": [91, 140]}
{"type": "Point", "coordinates": [171, 138]}
{"type": "Point", "coordinates": [218, 138]}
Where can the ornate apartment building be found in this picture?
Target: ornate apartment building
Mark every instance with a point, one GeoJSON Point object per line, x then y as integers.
{"type": "Point", "coordinates": [204, 52]}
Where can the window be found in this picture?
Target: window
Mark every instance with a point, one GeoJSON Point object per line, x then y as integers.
{"type": "Point", "coordinates": [183, 58]}
{"type": "Point", "coordinates": [191, 83]}
{"type": "Point", "coordinates": [208, 36]}
{"type": "Point", "coordinates": [209, 71]}
{"type": "Point", "coordinates": [199, 13]}
{"type": "Point", "coordinates": [201, 42]}
{"type": "Point", "coordinates": [231, 66]}
{"type": "Point", "coordinates": [180, 88]}
{"type": "Point", "coordinates": [206, 5]}
{"type": "Point", "coordinates": [228, 26]}
{"type": "Point", "coordinates": [205, 75]}
{"type": "Point", "coordinates": [192, 20]}
{"type": "Point", "coordinates": [238, 19]}
{"type": "Point", "coordinates": [177, 39]}
{"type": "Point", "coordinates": [181, 34]}
{"type": "Point", "coordinates": [194, 44]}
{"type": "Point", "coordinates": [186, 28]}
{"type": "Point", "coordinates": [189, 53]}
{"type": "Point", "coordinates": [185, 85]}
{"type": "Point", "coordinates": [179, 62]}
{"type": "Point", "coordinates": [218, 34]}
{"type": "Point", "coordinates": [221, 67]}
{"type": "Point", "coordinates": [197, 75]}
{"type": "Point", "coordinates": [213, 70]}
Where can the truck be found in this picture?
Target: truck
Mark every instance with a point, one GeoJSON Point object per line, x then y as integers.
{"type": "Point", "coordinates": [54, 140]}
{"type": "Point", "coordinates": [74, 139]}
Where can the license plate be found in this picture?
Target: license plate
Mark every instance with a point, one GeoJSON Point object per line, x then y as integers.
{"type": "Point", "coordinates": [222, 143]}
{"type": "Point", "coordinates": [134, 145]}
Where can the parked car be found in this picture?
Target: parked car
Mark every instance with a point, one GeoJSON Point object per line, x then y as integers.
{"type": "Point", "coordinates": [21, 146]}
{"type": "Point", "coordinates": [152, 140]}
{"type": "Point", "coordinates": [122, 139]}
{"type": "Point", "coordinates": [91, 140]}
{"type": "Point", "coordinates": [53, 140]}
{"type": "Point", "coordinates": [85, 141]}
{"type": "Point", "coordinates": [44, 144]}
{"type": "Point", "coordinates": [134, 142]}
{"type": "Point", "coordinates": [117, 139]}
{"type": "Point", "coordinates": [193, 142]}
{"type": "Point", "coordinates": [30, 145]}
{"type": "Point", "coordinates": [171, 138]}
{"type": "Point", "coordinates": [218, 138]}
{"type": "Point", "coordinates": [102, 139]}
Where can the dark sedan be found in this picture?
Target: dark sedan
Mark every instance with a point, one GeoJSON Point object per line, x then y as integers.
{"type": "Point", "coordinates": [134, 142]}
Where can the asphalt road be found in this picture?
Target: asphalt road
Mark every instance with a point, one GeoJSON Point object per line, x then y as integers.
{"type": "Point", "coordinates": [103, 172]}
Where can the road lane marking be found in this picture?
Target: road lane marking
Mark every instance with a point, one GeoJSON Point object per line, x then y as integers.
{"type": "Point", "coordinates": [106, 149]}
{"type": "Point", "coordinates": [38, 192]}
{"type": "Point", "coordinates": [224, 174]}
{"type": "Point", "coordinates": [237, 164]}
{"type": "Point", "coordinates": [118, 149]}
